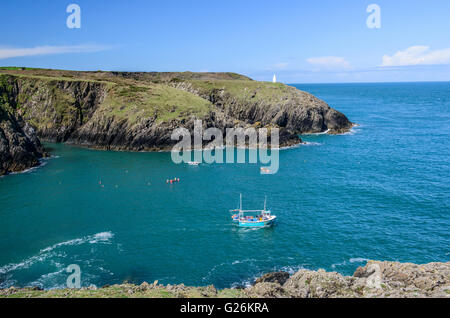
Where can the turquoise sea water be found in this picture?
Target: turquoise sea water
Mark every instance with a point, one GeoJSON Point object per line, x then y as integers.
{"type": "Point", "coordinates": [381, 192]}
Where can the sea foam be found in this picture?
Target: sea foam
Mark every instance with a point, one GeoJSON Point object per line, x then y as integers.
{"type": "Point", "coordinates": [103, 237]}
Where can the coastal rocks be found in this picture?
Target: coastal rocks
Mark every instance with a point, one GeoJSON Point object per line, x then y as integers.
{"type": "Point", "coordinates": [372, 274]}
{"type": "Point", "coordinates": [277, 277]}
{"type": "Point", "coordinates": [375, 279]}
{"type": "Point", "coordinates": [399, 279]}
{"type": "Point", "coordinates": [9, 291]}
{"type": "Point", "coordinates": [266, 290]}
{"type": "Point", "coordinates": [317, 284]}
{"type": "Point", "coordinates": [175, 291]}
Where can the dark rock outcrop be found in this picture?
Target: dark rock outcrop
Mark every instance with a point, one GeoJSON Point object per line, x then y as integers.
{"type": "Point", "coordinates": [277, 277]}
{"type": "Point", "coordinates": [19, 147]}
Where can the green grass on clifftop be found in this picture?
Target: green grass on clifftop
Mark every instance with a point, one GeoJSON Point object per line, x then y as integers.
{"type": "Point", "coordinates": [124, 291]}
{"type": "Point", "coordinates": [246, 90]}
{"type": "Point", "coordinates": [157, 100]}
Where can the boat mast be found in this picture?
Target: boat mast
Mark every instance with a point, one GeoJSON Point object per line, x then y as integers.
{"type": "Point", "coordinates": [241, 214]}
{"type": "Point", "coordinates": [265, 201]}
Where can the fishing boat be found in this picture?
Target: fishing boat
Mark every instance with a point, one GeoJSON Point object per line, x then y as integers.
{"type": "Point", "coordinates": [193, 163]}
{"type": "Point", "coordinates": [253, 218]}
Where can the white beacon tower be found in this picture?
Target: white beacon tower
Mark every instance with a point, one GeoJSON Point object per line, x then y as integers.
{"type": "Point", "coordinates": [274, 78]}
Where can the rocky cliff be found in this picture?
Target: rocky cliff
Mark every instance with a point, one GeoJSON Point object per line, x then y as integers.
{"type": "Point", "coordinates": [20, 148]}
{"type": "Point", "coordinates": [139, 111]}
{"type": "Point", "coordinates": [374, 280]}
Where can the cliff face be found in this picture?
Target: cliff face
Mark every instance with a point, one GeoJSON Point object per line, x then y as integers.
{"type": "Point", "coordinates": [375, 280]}
{"type": "Point", "coordinates": [139, 111]}
{"type": "Point", "coordinates": [270, 104]}
{"type": "Point", "coordinates": [20, 148]}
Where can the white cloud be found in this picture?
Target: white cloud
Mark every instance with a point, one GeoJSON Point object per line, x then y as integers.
{"type": "Point", "coordinates": [6, 53]}
{"type": "Point", "coordinates": [330, 63]}
{"type": "Point", "coordinates": [417, 55]}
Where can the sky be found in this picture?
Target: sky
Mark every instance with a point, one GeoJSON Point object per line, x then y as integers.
{"type": "Point", "coordinates": [301, 41]}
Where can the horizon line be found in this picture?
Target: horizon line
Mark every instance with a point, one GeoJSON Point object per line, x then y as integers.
{"type": "Point", "coordinates": [286, 83]}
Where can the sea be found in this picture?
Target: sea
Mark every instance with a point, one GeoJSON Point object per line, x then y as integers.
{"type": "Point", "coordinates": [379, 192]}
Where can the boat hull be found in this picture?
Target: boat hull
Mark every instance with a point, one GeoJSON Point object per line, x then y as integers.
{"type": "Point", "coordinates": [256, 224]}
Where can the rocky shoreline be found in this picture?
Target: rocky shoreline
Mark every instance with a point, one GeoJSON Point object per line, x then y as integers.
{"type": "Point", "coordinates": [139, 111]}
{"type": "Point", "coordinates": [374, 280]}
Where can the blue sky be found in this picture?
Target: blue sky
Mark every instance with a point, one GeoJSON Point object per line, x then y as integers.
{"type": "Point", "coordinates": [300, 41]}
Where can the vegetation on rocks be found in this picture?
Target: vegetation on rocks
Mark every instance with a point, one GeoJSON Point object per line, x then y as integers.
{"type": "Point", "coordinates": [159, 101]}
{"type": "Point", "coordinates": [374, 280]}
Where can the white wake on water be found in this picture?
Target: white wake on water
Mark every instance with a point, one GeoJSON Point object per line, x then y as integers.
{"type": "Point", "coordinates": [309, 143]}
{"type": "Point", "coordinates": [318, 134]}
{"type": "Point", "coordinates": [103, 237]}
{"type": "Point", "coordinates": [356, 128]}
{"type": "Point", "coordinates": [42, 163]}
{"type": "Point", "coordinates": [351, 260]}
{"type": "Point", "coordinates": [358, 260]}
